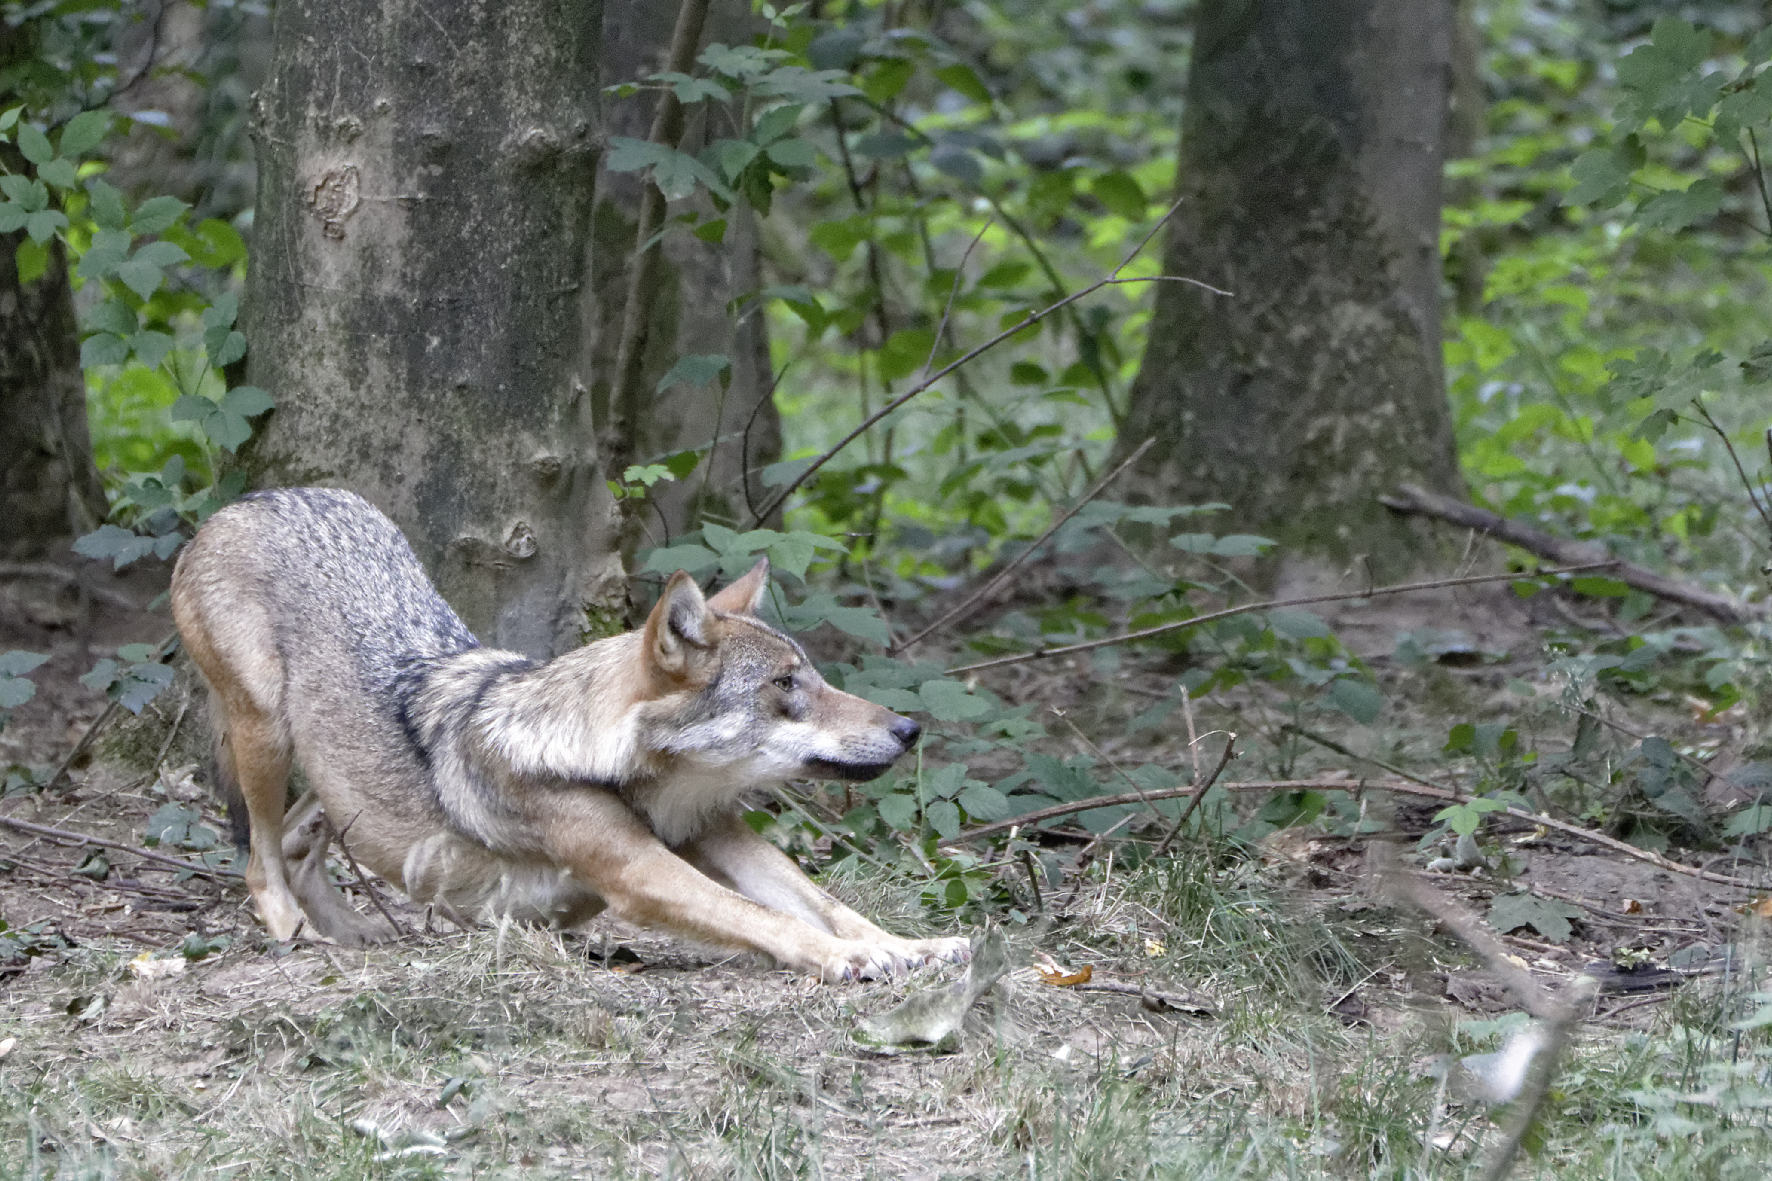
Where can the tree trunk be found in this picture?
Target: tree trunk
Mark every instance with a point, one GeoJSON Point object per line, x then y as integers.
{"type": "Point", "coordinates": [49, 489]}
{"type": "Point", "coordinates": [1310, 171]}
{"type": "Point", "coordinates": [738, 425]}
{"type": "Point", "coordinates": [417, 303]}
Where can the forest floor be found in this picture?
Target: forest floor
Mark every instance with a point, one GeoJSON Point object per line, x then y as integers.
{"type": "Point", "coordinates": [148, 1028]}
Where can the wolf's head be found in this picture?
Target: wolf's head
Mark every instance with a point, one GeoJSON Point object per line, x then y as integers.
{"type": "Point", "coordinates": [747, 700]}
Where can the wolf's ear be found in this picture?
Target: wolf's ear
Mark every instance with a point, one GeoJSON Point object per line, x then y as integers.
{"type": "Point", "coordinates": [746, 595]}
{"type": "Point", "coordinates": [679, 627]}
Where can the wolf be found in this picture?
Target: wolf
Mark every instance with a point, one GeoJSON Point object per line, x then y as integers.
{"type": "Point", "coordinates": [489, 785]}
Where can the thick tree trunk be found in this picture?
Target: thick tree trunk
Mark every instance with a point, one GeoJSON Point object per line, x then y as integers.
{"type": "Point", "coordinates": [737, 426]}
{"type": "Point", "coordinates": [1310, 171]}
{"type": "Point", "coordinates": [417, 303]}
{"type": "Point", "coordinates": [49, 489]}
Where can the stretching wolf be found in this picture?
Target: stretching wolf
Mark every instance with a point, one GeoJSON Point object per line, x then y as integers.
{"type": "Point", "coordinates": [488, 784]}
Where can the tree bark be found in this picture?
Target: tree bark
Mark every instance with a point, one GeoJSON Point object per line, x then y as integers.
{"type": "Point", "coordinates": [1310, 171]}
{"type": "Point", "coordinates": [417, 303]}
{"type": "Point", "coordinates": [49, 489]}
{"type": "Point", "coordinates": [696, 281]}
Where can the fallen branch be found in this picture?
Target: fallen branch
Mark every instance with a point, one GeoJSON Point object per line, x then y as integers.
{"type": "Point", "coordinates": [1111, 279]}
{"type": "Point", "coordinates": [1156, 1000]}
{"type": "Point", "coordinates": [1557, 1014]}
{"type": "Point", "coordinates": [1420, 502]}
{"type": "Point", "coordinates": [1268, 605]}
{"type": "Point", "coordinates": [77, 838]}
{"type": "Point", "coordinates": [1420, 788]}
{"type": "Point", "coordinates": [984, 591]}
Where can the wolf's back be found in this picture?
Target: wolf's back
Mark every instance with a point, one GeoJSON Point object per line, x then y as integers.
{"type": "Point", "coordinates": [330, 565]}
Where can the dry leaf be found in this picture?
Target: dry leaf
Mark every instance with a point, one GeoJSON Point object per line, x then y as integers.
{"type": "Point", "coordinates": [1761, 907]}
{"type": "Point", "coordinates": [1060, 979]}
{"type": "Point", "coordinates": [1632, 906]}
{"type": "Point", "coordinates": [146, 967]}
{"type": "Point", "coordinates": [6, 1046]}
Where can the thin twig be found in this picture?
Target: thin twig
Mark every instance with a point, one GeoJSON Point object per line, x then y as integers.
{"type": "Point", "coordinates": [183, 708]}
{"type": "Point", "coordinates": [1102, 755]}
{"type": "Point", "coordinates": [1201, 787]}
{"type": "Point", "coordinates": [1268, 605]}
{"type": "Point", "coordinates": [953, 294]}
{"type": "Point", "coordinates": [984, 591]}
{"type": "Point", "coordinates": [967, 358]}
{"type": "Point", "coordinates": [98, 723]}
{"type": "Point", "coordinates": [1421, 788]}
{"type": "Point", "coordinates": [1735, 459]}
{"type": "Point", "coordinates": [62, 834]}
{"type": "Point", "coordinates": [362, 878]}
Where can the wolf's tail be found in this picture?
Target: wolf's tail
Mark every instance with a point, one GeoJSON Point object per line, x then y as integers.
{"type": "Point", "coordinates": [227, 783]}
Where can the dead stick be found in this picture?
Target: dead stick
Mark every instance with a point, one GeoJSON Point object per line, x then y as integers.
{"type": "Point", "coordinates": [80, 746]}
{"type": "Point", "coordinates": [62, 834]}
{"type": "Point", "coordinates": [1268, 605]}
{"type": "Point", "coordinates": [1423, 789]}
{"type": "Point", "coordinates": [1199, 793]}
{"type": "Point", "coordinates": [1112, 278]}
{"type": "Point", "coordinates": [984, 591]}
{"type": "Point", "coordinates": [362, 878]}
{"type": "Point", "coordinates": [1411, 499]}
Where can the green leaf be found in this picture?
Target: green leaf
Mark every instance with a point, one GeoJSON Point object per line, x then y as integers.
{"type": "Point", "coordinates": [905, 352]}
{"type": "Point", "coordinates": [248, 401]}
{"type": "Point", "coordinates": [740, 61]}
{"type": "Point", "coordinates": [1675, 211]}
{"type": "Point", "coordinates": [34, 145]}
{"type": "Point", "coordinates": [900, 811]}
{"type": "Point", "coordinates": [803, 85]}
{"type": "Point", "coordinates": [1121, 194]}
{"type": "Point", "coordinates": [696, 370]}
{"type": "Point", "coordinates": [964, 79]}
{"type": "Point", "coordinates": [156, 214]}
{"type": "Point", "coordinates": [732, 156]}
{"type": "Point", "coordinates": [944, 818]}
{"type": "Point", "coordinates": [669, 559]}
{"type": "Point", "coordinates": [84, 132]}
{"type": "Point", "coordinates": [161, 254]}
{"type": "Point", "coordinates": [12, 217]}
{"type": "Point", "coordinates": [107, 205]}
{"type": "Point", "coordinates": [30, 195]}
{"type": "Point", "coordinates": [1547, 916]}
{"type": "Point", "coordinates": [141, 277]}
{"type": "Point", "coordinates": [1602, 177]}
{"type": "Point", "coordinates": [775, 123]}
{"type": "Point", "coordinates": [1357, 699]}
{"type": "Point", "coordinates": [15, 690]}
{"type": "Point", "coordinates": [41, 226]}
{"type": "Point", "coordinates": [711, 231]}
{"type": "Point", "coordinates": [1749, 822]}
{"type": "Point", "coordinates": [32, 260]}
{"type": "Point", "coordinates": [151, 347]}
{"type": "Point", "coordinates": [224, 345]}
{"type": "Point", "coordinates": [958, 163]}
{"type": "Point", "coordinates": [951, 701]}
{"type": "Point", "coordinates": [692, 90]}
{"type": "Point", "coordinates": [861, 622]}
{"type": "Point", "coordinates": [793, 153]}
{"type": "Point", "coordinates": [885, 146]}
{"type": "Point", "coordinates": [58, 172]}
{"type": "Point", "coordinates": [103, 348]}
{"type": "Point", "coordinates": [1295, 624]}
{"type": "Point", "coordinates": [122, 546]}
{"type": "Point", "coordinates": [984, 803]}
{"type": "Point", "coordinates": [108, 251]}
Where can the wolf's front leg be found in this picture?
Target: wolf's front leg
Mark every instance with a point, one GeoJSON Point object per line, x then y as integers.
{"type": "Point", "coordinates": [597, 837]}
{"type": "Point", "coordinates": [731, 853]}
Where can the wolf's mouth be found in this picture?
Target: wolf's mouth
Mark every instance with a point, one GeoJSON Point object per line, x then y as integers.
{"type": "Point", "coordinates": [856, 772]}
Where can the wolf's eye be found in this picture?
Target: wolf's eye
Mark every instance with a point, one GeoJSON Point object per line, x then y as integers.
{"type": "Point", "coordinates": [785, 683]}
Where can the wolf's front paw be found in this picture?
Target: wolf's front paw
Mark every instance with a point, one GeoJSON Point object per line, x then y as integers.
{"type": "Point", "coordinates": [949, 951]}
{"type": "Point", "coordinates": [859, 960]}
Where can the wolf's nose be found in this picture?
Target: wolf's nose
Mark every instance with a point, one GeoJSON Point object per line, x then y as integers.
{"type": "Point", "coordinates": [906, 731]}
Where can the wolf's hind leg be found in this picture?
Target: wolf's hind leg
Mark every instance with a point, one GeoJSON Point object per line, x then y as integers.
{"type": "Point", "coordinates": [258, 749]}
{"type": "Point", "coordinates": [306, 837]}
